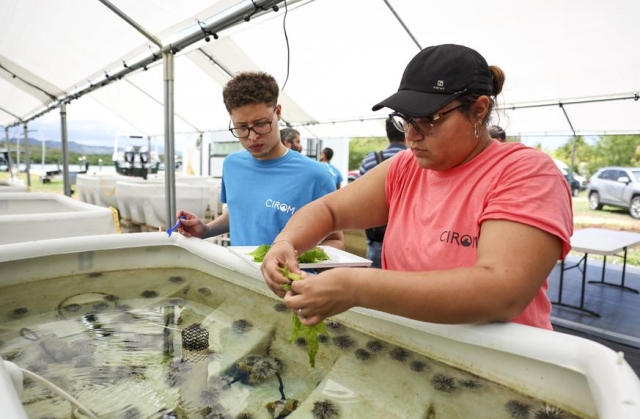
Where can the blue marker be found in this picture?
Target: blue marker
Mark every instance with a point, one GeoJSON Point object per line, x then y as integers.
{"type": "Point", "coordinates": [172, 229]}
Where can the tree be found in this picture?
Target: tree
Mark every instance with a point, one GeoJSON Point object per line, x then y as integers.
{"type": "Point", "coordinates": [565, 152]}
{"type": "Point", "coordinates": [610, 150]}
{"type": "Point", "coordinates": [360, 147]}
{"type": "Point", "coordinates": [615, 150]}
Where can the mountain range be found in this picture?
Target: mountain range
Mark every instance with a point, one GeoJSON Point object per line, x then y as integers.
{"type": "Point", "coordinates": [73, 146]}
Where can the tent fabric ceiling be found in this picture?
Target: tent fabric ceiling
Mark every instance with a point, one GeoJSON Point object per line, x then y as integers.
{"type": "Point", "coordinates": [345, 56]}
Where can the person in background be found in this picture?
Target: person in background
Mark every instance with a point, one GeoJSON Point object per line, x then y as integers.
{"type": "Point", "coordinates": [266, 183]}
{"type": "Point", "coordinates": [325, 157]}
{"type": "Point", "coordinates": [291, 139]}
{"type": "Point", "coordinates": [462, 245]}
{"type": "Point", "coordinates": [497, 133]}
{"type": "Point", "coordinates": [375, 235]}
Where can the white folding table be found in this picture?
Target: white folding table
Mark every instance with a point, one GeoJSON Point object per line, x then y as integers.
{"type": "Point", "coordinates": [598, 241]}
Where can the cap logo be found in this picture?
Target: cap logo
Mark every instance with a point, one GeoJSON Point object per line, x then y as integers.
{"type": "Point", "coordinates": [439, 85]}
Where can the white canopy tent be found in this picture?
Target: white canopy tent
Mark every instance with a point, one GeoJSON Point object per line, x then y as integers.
{"type": "Point", "coordinates": [345, 56]}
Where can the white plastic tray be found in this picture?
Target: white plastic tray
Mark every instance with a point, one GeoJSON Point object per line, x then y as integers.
{"type": "Point", "coordinates": [337, 258]}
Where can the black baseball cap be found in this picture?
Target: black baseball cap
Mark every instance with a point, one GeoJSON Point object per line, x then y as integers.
{"type": "Point", "coordinates": [436, 76]}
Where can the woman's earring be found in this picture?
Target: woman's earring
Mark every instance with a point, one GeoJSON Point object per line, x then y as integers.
{"type": "Point", "coordinates": [476, 130]}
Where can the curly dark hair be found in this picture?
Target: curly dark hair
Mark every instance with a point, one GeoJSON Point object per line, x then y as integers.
{"type": "Point", "coordinates": [250, 88]}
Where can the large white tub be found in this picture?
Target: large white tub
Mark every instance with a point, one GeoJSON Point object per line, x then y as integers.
{"type": "Point", "coordinates": [143, 201]}
{"type": "Point", "coordinates": [577, 375]}
{"type": "Point", "coordinates": [130, 196]}
{"type": "Point", "coordinates": [41, 216]}
{"type": "Point", "coordinates": [98, 188]}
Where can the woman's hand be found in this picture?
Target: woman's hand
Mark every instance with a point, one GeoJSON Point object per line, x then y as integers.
{"type": "Point", "coordinates": [320, 296]}
{"type": "Point", "coordinates": [281, 252]}
{"type": "Point", "coordinates": [191, 226]}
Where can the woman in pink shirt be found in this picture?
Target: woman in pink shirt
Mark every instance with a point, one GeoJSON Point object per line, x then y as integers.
{"type": "Point", "coordinates": [474, 226]}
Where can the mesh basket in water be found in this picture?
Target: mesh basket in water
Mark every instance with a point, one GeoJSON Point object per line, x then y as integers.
{"type": "Point", "coordinates": [195, 338]}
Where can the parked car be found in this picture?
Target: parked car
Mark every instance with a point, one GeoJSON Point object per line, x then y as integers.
{"type": "Point", "coordinates": [579, 183]}
{"type": "Point", "coordinates": [615, 186]}
{"type": "Point", "coordinates": [353, 175]}
{"type": "Point", "coordinates": [575, 185]}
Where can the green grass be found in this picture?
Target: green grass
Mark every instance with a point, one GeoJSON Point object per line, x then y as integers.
{"type": "Point", "coordinates": [55, 186]}
{"type": "Point", "coordinates": [355, 242]}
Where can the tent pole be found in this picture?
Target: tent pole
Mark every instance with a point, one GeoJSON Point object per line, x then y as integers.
{"type": "Point", "coordinates": [27, 160]}
{"type": "Point", "coordinates": [65, 149]}
{"type": "Point", "coordinates": [6, 128]}
{"type": "Point", "coordinates": [9, 163]}
{"type": "Point", "coordinates": [133, 23]}
{"type": "Point", "coordinates": [573, 145]}
{"type": "Point", "coordinates": [169, 140]}
{"type": "Point", "coordinates": [18, 154]}
{"type": "Point", "coordinates": [200, 149]}
{"type": "Point", "coordinates": [406, 29]}
{"type": "Point", "coordinates": [612, 98]}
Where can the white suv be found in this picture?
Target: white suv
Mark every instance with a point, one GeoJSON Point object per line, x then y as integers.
{"type": "Point", "coordinates": [615, 186]}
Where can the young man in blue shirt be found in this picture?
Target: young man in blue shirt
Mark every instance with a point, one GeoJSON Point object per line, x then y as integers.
{"type": "Point", "coordinates": [264, 184]}
{"type": "Point", "coordinates": [325, 157]}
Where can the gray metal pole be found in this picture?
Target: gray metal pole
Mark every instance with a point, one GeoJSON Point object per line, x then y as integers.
{"type": "Point", "coordinates": [573, 147]}
{"type": "Point", "coordinates": [27, 160]}
{"type": "Point", "coordinates": [169, 140]}
{"type": "Point", "coordinates": [209, 150]}
{"type": "Point", "coordinates": [65, 149]}
{"type": "Point", "coordinates": [43, 152]}
{"type": "Point", "coordinates": [133, 23]}
{"type": "Point", "coordinates": [18, 154]}
{"type": "Point", "coordinates": [9, 163]}
{"type": "Point", "coordinates": [200, 149]}
{"type": "Point", "coordinates": [406, 29]}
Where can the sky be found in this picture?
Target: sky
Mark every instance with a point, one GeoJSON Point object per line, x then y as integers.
{"type": "Point", "coordinates": [88, 123]}
{"type": "Point", "coordinates": [548, 143]}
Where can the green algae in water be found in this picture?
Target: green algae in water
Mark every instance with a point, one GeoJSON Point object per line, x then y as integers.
{"type": "Point", "coordinates": [300, 331]}
{"type": "Point", "coordinates": [126, 359]}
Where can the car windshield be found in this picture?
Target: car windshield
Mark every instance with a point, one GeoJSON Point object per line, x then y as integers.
{"type": "Point", "coordinates": [636, 174]}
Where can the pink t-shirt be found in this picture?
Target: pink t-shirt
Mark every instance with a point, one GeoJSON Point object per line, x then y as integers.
{"type": "Point", "coordinates": [435, 217]}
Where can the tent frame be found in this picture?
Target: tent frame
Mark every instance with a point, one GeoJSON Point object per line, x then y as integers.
{"type": "Point", "coordinates": [238, 13]}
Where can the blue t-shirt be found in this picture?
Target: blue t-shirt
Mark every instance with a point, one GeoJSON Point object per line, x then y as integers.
{"type": "Point", "coordinates": [335, 173]}
{"type": "Point", "coordinates": [262, 195]}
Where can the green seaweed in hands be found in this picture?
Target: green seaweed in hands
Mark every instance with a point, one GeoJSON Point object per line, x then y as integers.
{"type": "Point", "coordinates": [310, 333]}
{"type": "Point", "coordinates": [299, 330]}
